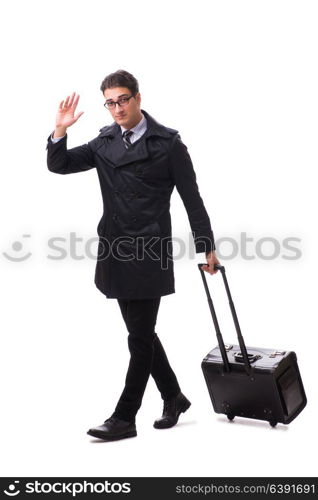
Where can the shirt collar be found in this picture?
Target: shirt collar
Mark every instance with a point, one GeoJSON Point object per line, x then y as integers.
{"type": "Point", "coordinates": [154, 128]}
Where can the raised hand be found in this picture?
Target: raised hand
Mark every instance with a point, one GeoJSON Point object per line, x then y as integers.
{"type": "Point", "coordinates": [66, 114]}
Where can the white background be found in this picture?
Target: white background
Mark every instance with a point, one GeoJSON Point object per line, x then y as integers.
{"type": "Point", "coordinates": [238, 79]}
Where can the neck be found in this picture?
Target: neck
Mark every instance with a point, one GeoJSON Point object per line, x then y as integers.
{"type": "Point", "coordinates": [138, 119]}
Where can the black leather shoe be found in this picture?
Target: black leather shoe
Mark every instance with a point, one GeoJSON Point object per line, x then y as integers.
{"type": "Point", "coordinates": [171, 411]}
{"type": "Point", "coordinates": [113, 428]}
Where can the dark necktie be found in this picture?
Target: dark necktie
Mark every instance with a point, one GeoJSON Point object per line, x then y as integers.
{"type": "Point", "coordinates": [126, 138]}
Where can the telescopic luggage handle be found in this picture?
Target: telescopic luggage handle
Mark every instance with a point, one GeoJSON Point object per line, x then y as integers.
{"type": "Point", "coordinates": [244, 353]}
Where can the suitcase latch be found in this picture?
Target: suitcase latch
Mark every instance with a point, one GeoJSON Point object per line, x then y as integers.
{"type": "Point", "coordinates": [228, 347]}
{"type": "Point", "coordinates": [277, 353]}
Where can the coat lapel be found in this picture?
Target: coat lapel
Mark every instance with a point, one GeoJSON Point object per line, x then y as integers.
{"type": "Point", "coordinates": [113, 149]}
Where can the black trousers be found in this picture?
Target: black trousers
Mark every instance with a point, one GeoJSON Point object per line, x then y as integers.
{"type": "Point", "coordinates": [147, 356]}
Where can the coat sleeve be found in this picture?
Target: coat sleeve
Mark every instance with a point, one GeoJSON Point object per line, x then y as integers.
{"type": "Point", "coordinates": [184, 178]}
{"type": "Point", "coordinates": [61, 160]}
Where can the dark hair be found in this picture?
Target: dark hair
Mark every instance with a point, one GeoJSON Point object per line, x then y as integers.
{"type": "Point", "coordinates": [120, 78]}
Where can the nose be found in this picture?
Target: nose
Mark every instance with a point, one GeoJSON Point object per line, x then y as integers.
{"type": "Point", "coordinates": [118, 111]}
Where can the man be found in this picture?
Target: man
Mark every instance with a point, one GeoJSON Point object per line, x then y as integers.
{"type": "Point", "coordinates": [138, 161]}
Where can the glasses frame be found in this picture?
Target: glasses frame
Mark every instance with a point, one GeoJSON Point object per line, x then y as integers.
{"type": "Point", "coordinates": [106, 104]}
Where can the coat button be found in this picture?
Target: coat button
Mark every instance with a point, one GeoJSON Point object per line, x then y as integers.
{"type": "Point", "coordinates": [134, 218]}
{"type": "Point", "coordinates": [115, 216]}
{"type": "Point", "coordinates": [116, 192]}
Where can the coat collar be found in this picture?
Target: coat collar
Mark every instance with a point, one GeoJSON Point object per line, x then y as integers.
{"type": "Point", "coordinates": [116, 153]}
{"type": "Point", "coordinates": [154, 128]}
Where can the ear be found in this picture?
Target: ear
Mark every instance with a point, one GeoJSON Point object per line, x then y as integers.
{"type": "Point", "coordinates": [138, 98]}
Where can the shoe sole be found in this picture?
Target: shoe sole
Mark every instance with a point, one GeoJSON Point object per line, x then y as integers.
{"type": "Point", "coordinates": [112, 438]}
{"type": "Point", "coordinates": [185, 407]}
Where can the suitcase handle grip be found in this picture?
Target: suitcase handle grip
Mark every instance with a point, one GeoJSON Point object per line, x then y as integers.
{"type": "Point", "coordinates": [251, 357]}
{"type": "Point", "coordinates": [244, 353]}
{"type": "Point", "coordinates": [216, 266]}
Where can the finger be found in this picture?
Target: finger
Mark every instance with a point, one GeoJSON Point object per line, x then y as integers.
{"type": "Point", "coordinates": [78, 115]}
{"type": "Point", "coordinates": [211, 269]}
{"type": "Point", "coordinates": [214, 268]}
{"type": "Point", "coordinates": [66, 101]}
{"type": "Point", "coordinates": [61, 105]}
{"type": "Point", "coordinates": [72, 99]}
{"type": "Point", "coordinates": [75, 103]}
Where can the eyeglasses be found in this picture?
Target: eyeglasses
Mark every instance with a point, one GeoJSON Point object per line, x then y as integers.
{"type": "Point", "coordinates": [122, 102]}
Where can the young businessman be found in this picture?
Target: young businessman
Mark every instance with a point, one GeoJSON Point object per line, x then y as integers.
{"type": "Point", "coordinates": [138, 162]}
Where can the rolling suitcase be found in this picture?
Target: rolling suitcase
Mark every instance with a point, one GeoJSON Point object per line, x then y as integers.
{"type": "Point", "coordinates": [252, 382]}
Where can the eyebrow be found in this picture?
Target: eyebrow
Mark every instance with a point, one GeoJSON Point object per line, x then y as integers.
{"type": "Point", "coordinates": [121, 95]}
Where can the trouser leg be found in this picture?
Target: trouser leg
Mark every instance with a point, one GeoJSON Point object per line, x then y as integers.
{"type": "Point", "coordinates": [162, 373]}
{"type": "Point", "coordinates": [146, 356]}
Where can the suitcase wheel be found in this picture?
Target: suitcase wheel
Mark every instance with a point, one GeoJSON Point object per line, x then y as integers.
{"type": "Point", "coordinates": [272, 423]}
{"type": "Point", "coordinates": [230, 416]}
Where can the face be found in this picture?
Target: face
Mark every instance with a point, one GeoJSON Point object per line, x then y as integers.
{"type": "Point", "coordinates": [127, 116]}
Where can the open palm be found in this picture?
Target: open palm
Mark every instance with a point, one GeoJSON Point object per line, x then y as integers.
{"type": "Point", "coordinates": [66, 113]}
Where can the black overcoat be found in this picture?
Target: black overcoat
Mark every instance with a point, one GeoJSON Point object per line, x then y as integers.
{"type": "Point", "coordinates": [134, 258]}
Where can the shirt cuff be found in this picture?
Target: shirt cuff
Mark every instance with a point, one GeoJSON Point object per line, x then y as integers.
{"type": "Point", "coordinates": [56, 139]}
